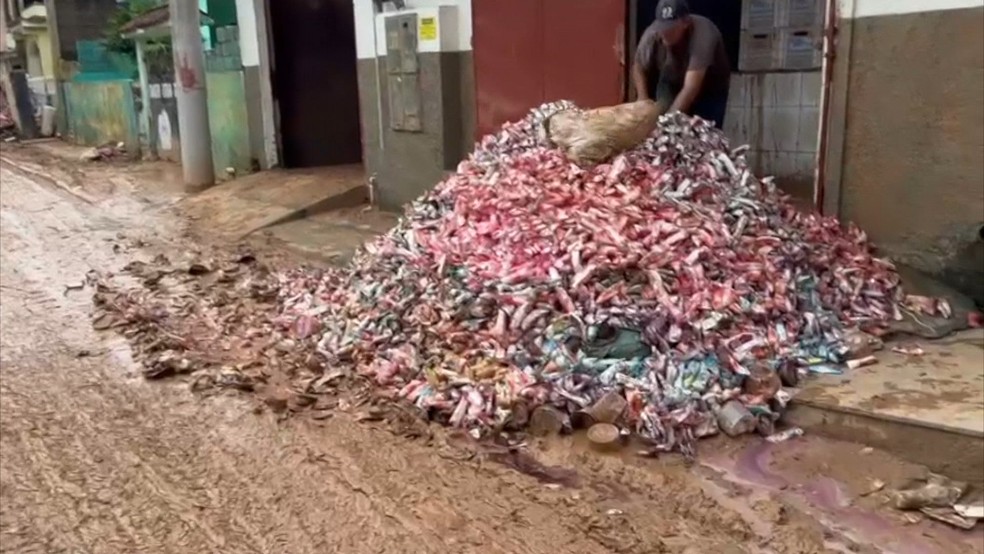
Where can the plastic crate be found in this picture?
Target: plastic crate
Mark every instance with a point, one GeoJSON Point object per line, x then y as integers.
{"type": "Point", "coordinates": [801, 13]}
{"type": "Point", "coordinates": [758, 51]}
{"type": "Point", "coordinates": [759, 15]}
{"type": "Point", "coordinates": [801, 49]}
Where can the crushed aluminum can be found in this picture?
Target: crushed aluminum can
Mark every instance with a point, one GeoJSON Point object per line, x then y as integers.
{"type": "Point", "coordinates": [909, 350]}
{"type": "Point", "coordinates": [608, 409]}
{"type": "Point", "coordinates": [950, 517]}
{"type": "Point", "coordinates": [861, 362]}
{"type": "Point", "coordinates": [604, 436]}
{"type": "Point", "coordinates": [825, 369]}
{"type": "Point", "coordinates": [938, 492]}
{"type": "Point", "coordinates": [547, 420]}
{"type": "Point", "coordinates": [783, 436]}
{"type": "Point", "coordinates": [734, 419]}
{"type": "Point", "coordinates": [975, 511]}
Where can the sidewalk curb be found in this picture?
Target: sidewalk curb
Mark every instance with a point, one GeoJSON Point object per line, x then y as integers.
{"type": "Point", "coordinates": [952, 452]}
{"type": "Point", "coordinates": [50, 179]}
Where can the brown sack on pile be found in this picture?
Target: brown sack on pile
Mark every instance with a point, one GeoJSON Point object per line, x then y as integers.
{"type": "Point", "coordinates": [594, 136]}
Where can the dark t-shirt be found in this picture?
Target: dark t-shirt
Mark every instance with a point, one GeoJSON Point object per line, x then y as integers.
{"type": "Point", "coordinates": [703, 48]}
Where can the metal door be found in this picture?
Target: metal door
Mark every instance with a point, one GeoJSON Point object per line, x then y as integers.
{"type": "Point", "coordinates": [527, 52]}
{"type": "Point", "coordinates": [315, 81]}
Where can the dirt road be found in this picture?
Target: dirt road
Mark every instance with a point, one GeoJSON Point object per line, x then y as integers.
{"type": "Point", "coordinates": [95, 459]}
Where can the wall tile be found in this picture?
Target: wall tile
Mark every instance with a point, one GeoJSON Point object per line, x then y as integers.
{"type": "Point", "coordinates": [753, 125]}
{"type": "Point", "coordinates": [810, 93]}
{"type": "Point", "coordinates": [732, 118]}
{"type": "Point", "coordinates": [766, 162]}
{"type": "Point", "coordinates": [767, 84]}
{"type": "Point", "coordinates": [807, 134]}
{"type": "Point", "coordinates": [764, 119]}
{"type": "Point", "coordinates": [737, 91]}
{"type": "Point", "coordinates": [755, 93]}
{"type": "Point", "coordinates": [784, 164]}
{"type": "Point", "coordinates": [781, 129]}
{"type": "Point", "coordinates": [741, 130]}
{"type": "Point", "coordinates": [788, 87]}
{"type": "Point", "coordinates": [752, 159]}
{"type": "Point", "coordinates": [805, 164]}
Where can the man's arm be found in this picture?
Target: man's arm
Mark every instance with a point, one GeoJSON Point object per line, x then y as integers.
{"type": "Point", "coordinates": [639, 80]}
{"type": "Point", "coordinates": [692, 83]}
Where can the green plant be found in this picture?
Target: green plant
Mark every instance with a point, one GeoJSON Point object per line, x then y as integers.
{"type": "Point", "coordinates": [157, 56]}
{"type": "Point", "coordinates": [124, 14]}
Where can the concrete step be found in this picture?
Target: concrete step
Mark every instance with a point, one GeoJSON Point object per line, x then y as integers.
{"type": "Point", "coordinates": [243, 206]}
{"type": "Point", "coordinates": [334, 235]}
{"type": "Point", "coordinates": [926, 409]}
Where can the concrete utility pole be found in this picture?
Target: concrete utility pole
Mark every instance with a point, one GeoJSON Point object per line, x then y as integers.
{"type": "Point", "coordinates": [189, 73]}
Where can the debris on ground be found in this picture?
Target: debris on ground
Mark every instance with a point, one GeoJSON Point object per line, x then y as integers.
{"type": "Point", "coordinates": [610, 408]}
{"type": "Point", "coordinates": [783, 436]}
{"type": "Point", "coordinates": [548, 420]}
{"type": "Point", "coordinates": [861, 362]}
{"type": "Point", "coordinates": [106, 152]}
{"type": "Point", "coordinates": [525, 288]}
{"type": "Point", "coordinates": [908, 349]}
{"type": "Point", "coordinates": [939, 498]}
{"type": "Point", "coordinates": [860, 344]}
{"type": "Point", "coordinates": [734, 419]}
{"type": "Point", "coordinates": [877, 485]}
{"type": "Point", "coordinates": [970, 510]}
{"type": "Point", "coordinates": [604, 436]}
{"type": "Point", "coordinates": [949, 516]}
{"type": "Point", "coordinates": [182, 318]}
{"type": "Point", "coordinates": [826, 369]}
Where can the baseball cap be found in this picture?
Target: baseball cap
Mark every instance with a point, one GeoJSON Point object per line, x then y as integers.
{"type": "Point", "coordinates": [669, 12]}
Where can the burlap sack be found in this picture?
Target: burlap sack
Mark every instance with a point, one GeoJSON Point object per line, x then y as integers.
{"type": "Point", "coordinates": [593, 136]}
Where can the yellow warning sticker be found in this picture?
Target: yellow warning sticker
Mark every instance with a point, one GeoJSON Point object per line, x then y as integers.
{"type": "Point", "coordinates": [428, 28]}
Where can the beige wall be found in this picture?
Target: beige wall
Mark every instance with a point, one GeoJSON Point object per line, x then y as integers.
{"type": "Point", "coordinates": [406, 164]}
{"type": "Point", "coordinates": [913, 139]}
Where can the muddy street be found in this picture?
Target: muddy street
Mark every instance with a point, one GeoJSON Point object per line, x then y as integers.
{"type": "Point", "coordinates": [95, 458]}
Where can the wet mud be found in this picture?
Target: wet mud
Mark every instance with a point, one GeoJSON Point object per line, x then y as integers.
{"type": "Point", "coordinates": [97, 458]}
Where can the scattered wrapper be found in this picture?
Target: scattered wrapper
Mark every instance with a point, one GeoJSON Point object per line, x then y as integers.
{"type": "Point", "coordinates": [908, 349]}
{"type": "Point", "coordinates": [783, 436]}
{"type": "Point", "coordinates": [861, 362]}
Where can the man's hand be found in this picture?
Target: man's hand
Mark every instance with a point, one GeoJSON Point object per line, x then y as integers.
{"type": "Point", "coordinates": [660, 107]}
{"type": "Point", "coordinates": [692, 83]}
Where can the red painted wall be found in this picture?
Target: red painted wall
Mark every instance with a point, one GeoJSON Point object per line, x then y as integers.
{"type": "Point", "coordinates": [527, 52]}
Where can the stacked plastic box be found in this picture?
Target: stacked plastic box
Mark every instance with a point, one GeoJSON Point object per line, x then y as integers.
{"type": "Point", "coordinates": [758, 49]}
{"type": "Point", "coordinates": [781, 35]}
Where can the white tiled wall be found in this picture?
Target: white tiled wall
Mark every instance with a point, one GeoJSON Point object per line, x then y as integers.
{"type": "Point", "coordinates": [778, 116]}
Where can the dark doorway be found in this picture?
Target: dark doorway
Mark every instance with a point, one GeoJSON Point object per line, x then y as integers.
{"type": "Point", "coordinates": [315, 81]}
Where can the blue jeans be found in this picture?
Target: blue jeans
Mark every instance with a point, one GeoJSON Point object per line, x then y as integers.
{"type": "Point", "coordinates": [711, 108]}
{"type": "Point", "coordinates": [708, 106]}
